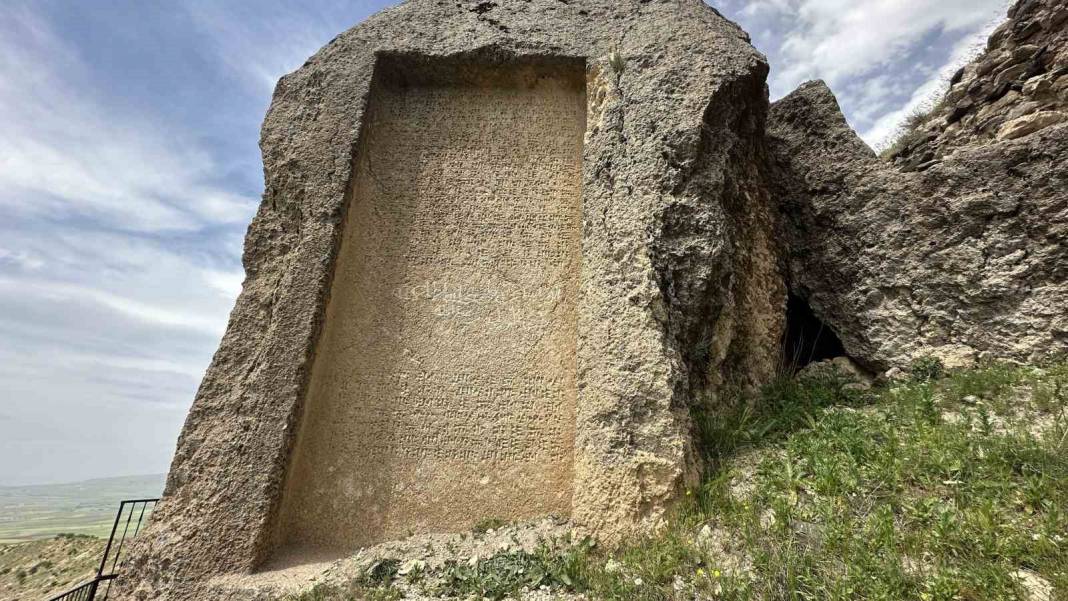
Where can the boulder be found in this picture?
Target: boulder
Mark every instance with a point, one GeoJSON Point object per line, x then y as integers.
{"type": "Point", "coordinates": [678, 287]}
{"type": "Point", "coordinates": [966, 257]}
{"type": "Point", "coordinates": [1029, 124]}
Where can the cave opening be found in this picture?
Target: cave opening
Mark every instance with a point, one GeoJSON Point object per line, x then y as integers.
{"type": "Point", "coordinates": [807, 339]}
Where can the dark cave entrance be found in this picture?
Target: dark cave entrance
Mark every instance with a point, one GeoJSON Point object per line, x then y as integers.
{"type": "Point", "coordinates": [807, 339]}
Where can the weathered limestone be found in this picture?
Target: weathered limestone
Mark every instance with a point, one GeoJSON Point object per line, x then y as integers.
{"type": "Point", "coordinates": [501, 247]}
{"type": "Point", "coordinates": [958, 245]}
{"type": "Point", "coordinates": [1018, 86]}
{"type": "Point", "coordinates": [1029, 124]}
{"type": "Point", "coordinates": [444, 389]}
{"type": "Point", "coordinates": [966, 260]}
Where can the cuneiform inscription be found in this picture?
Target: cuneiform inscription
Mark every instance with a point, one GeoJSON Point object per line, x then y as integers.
{"type": "Point", "coordinates": [444, 383]}
{"type": "Point", "coordinates": [467, 198]}
{"type": "Point", "coordinates": [500, 300]}
{"type": "Point", "coordinates": [525, 241]}
{"type": "Point", "coordinates": [503, 418]}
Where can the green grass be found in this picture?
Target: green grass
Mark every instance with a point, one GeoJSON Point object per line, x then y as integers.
{"type": "Point", "coordinates": [506, 574]}
{"type": "Point", "coordinates": [943, 487]}
{"type": "Point", "coordinates": [485, 525]}
{"type": "Point", "coordinates": [40, 569]}
{"type": "Point", "coordinates": [43, 511]}
{"type": "Point", "coordinates": [909, 130]}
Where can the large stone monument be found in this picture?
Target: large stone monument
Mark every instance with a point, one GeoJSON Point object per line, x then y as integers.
{"type": "Point", "coordinates": [502, 245]}
{"type": "Point", "coordinates": [506, 247]}
{"type": "Point", "coordinates": [444, 388]}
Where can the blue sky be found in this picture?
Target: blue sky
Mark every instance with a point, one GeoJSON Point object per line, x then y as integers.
{"type": "Point", "coordinates": [129, 170]}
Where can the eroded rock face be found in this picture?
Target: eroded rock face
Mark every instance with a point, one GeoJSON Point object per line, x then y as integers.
{"type": "Point", "coordinates": [1018, 86]}
{"type": "Point", "coordinates": [958, 246]}
{"type": "Point", "coordinates": [656, 254]}
{"type": "Point", "coordinates": [677, 285]}
{"type": "Point", "coordinates": [965, 260]}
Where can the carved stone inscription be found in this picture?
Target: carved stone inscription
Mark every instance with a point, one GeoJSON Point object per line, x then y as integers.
{"type": "Point", "coordinates": [443, 390]}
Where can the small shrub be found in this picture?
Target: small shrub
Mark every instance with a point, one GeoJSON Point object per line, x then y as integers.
{"type": "Point", "coordinates": [1049, 387]}
{"type": "Point", "coordinates": [617, 62]}
{"type": "Point", "coordinates": [784, 406]}
{"type": "Point", "coordinates": [485, 525]}
{"type": "Point", "coordinates": [909, 132]}
{"type": "Point", "coordinates": [927, 368]}
{"type": "Point", "coordinates": [382, 594]}
{"type": "Point", "coordinates": [917, 117]}
{"type": "Point", "coordinates": [382, 573]}
{"type": "Point", "coordinates": [992, 383]}
{"type": "Point", "coordinates": [903, 140]}
{"type": "Point", "coordinates": [376, 584]}
{"type": "Point", "coordinates": [347, 592]}
{"type": "Point", "coordinates": [506, 574]}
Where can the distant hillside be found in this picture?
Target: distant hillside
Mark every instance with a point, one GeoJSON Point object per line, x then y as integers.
{"type": "Point", "coordinates": [39, 569]}
{"type": "Point", "coordinates": [34, 512]}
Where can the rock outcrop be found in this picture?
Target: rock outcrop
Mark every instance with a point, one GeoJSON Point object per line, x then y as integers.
{"type": "Point", "coordinates": [698, 210]}
{"type": "Point", "coordinates": [1018, 86]}
{"type": "Point", "coordinates": [679, 284]}
{"type": "Point", "coordinates": [961, 253]}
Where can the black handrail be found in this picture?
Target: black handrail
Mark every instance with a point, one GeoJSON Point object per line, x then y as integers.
{"type": "Point", "coordinates": [87, 591]}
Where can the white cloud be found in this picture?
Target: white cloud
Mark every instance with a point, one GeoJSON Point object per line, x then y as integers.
{"type": "Point", "coordinates": [101, 349]}
{"type": "Point", "coordinates": [882, 58]}
{"type": "Point", "coordinates": [65, 151]}
{"type": "Point", "coordinates": [237, 34]}
{"type": "Point", "coordinates": [118, 263]}
{"type": "Point", "coordinates": [122, 304]}
{"type": "Point", "coordinates": [839, 39]}
{"type": "Point", "coordinates": [226, 283]}
{"type": "Point", "coordinates": [885, 128]}
{"type": "Point", "coordinates": [21, 259]}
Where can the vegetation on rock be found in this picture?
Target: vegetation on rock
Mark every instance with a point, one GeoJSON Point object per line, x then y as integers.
{"type": "Point", "coordinates": [946, 485]}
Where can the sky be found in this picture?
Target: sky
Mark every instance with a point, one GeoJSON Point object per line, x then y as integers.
{"type": "Point", "coordinates": [129, 171]}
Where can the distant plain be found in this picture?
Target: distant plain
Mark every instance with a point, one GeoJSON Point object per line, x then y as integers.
{"type": "Point", "coordinates": [88, 507]}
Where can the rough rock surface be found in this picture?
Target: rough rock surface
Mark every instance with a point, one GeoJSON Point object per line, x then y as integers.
{"type": "Point", "coordinates": [1021, 78]}
{"type": "Point", "coordinates": [679, 286]}
{"type": "Point", "coordinates": [427, 554]}
{"type": "Point", "coordinates": [962, 254]}
{"type": "Point", "coordinates": [958, 247]}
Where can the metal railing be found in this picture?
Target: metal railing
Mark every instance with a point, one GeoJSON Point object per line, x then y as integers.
{"type": "Point", "coordinates": [113, 551]}
{"type": "Point", "coordinates": [84, 592]}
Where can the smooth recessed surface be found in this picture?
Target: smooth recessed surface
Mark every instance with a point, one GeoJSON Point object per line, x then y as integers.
{"type": "Point", "coordinates": [443, 390]}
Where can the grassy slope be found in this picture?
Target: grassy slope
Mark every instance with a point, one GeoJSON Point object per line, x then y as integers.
{"type": "Point", "coordinates": [941, 488]}
{"type": "Point", "coordinates": [956, 489]}
{"type": "Point", "coordinates": [32, 571]}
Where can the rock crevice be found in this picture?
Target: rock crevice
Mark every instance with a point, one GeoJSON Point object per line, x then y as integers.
{"type": "Point", "coordinates": [962, 256]}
